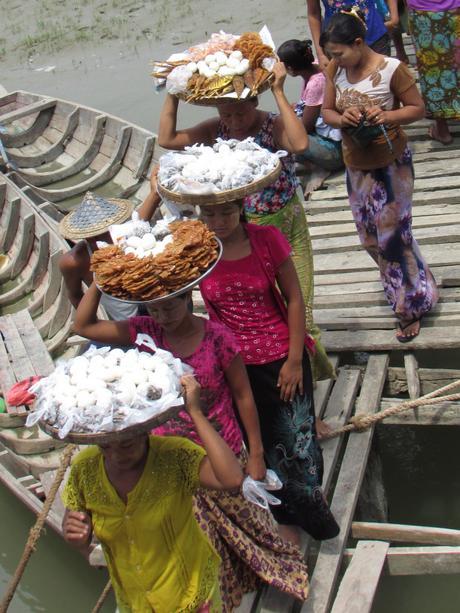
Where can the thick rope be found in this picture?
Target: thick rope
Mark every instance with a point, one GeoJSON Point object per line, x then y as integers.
{"type": "Point", "coordinates": [102, 597]}
{"type": "Point", "coordinates": [37, 528]}
{"type": "Point", "coordinates": [361, 422]}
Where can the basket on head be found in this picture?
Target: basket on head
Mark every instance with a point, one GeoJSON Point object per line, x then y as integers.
{"type": "Point", "coordinates": [229, 195]}
{"type": "Point", "coordinates": [218, 100]}
{"type": "Point", "coordinates": [114, 436]}
{"type": "Point", "coordinates": [94, 216]}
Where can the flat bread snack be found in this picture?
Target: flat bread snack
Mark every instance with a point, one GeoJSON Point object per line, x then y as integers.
{"type": "Point", "coordinates": [148, 263]}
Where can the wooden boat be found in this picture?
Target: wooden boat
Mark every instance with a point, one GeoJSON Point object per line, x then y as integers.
{"type": "Point", "coordinates": [57, 150]}
{"type": "Point", "coordinates": [29, 276]}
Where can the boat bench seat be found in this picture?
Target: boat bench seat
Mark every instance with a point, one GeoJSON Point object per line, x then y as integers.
{"type": "Point", "coordinates": [22, 354]}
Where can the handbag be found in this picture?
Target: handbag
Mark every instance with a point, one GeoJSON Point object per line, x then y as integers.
{"type": "Point", "coordinates": [365, 133]}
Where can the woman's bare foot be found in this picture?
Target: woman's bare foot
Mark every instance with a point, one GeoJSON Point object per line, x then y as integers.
{"type": "Point", "coordinates": [407, 330]}
{"type": "Point", "coordinates": [322, 429]}
{"type": "Point", "coordinates": [440, 131]}
{"type": "Point", "coordinates": [290, 533]}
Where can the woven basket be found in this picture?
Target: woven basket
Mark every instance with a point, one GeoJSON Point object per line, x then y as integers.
{"type": "Point", "coordinates": [224, 99]}
{"type": "Point", "coordinates": [222, 197]}
{"type": "Point", "coordinates": [116, 436]}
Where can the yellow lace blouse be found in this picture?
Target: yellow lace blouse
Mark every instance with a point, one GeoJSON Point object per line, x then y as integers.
{"type": "Point", "coordinates": [158, 557]}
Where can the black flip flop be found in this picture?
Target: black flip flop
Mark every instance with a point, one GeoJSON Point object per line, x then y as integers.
{"type": "Point", "coordinates": [407, 339]}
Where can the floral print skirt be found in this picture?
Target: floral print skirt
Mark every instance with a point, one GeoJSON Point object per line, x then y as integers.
{"type": "Point", "coordinates": [381, 203]}
{"type": "Point", "coordinates": [252, 552]}
{"type": "Point", "coordinates": [437, 45]}
{"type": "Point", "coordinates": [292, 450]}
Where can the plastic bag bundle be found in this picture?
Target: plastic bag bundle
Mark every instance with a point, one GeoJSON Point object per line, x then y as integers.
{"type": "Point", "coordinates": [258, 492]}
{"type": "Point", "coordinates": [108, 389]}
{"type": "Point", "coordinates": [224, 166]}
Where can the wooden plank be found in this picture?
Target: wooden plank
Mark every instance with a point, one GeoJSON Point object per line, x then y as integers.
{"type": "Point", "coordinates": [33, 343]}
{"type": "Point", "coordinates": [26, 244]}
{"type": "Point", "coordinates": [442, 560]}
{"type": "Point", "coordinates": [413, 382]}
{"type": "Point", "coordinates": [11, 226]}
{"type": "Point", "coordinates": [359, 584]}
{"type": "Point", "coordinates": [30, 109]}
{"type": "Point", "coordinates": [423, 228]}
{"type": "Point", "coordinates": [336, 244]}
{"type": "Point", "coordinates": [401, 533]}
{"type": "Point", "coordinates": [321, 201]}
{"type": "Point", "coordinates": [339, 408]}
{"type": "Point", "coordinates": [383, 323]}
{"type": "Point", "coordinates": [347, 490]}
{"type": "Point", "coordinates": [19, 360]}
{"type": "Point", "coordinates": [442, 308]}
{"type": "Point", "coordinates": [7, 378]}
{"type": "Point", "coordinates": [323, 389]}
{"type": "Point", "coordinates": [385, 340]}
{"type": "Point", "coordinates": [451, 278]}
{"type": "Point", "coordinates": [326, 220]}
{"type": "Point", "coordinates": [430, 379]}
{"type": "Point", "coordinates": [442, 414]}
{"type": "Point", "coordinates": [359, 260]}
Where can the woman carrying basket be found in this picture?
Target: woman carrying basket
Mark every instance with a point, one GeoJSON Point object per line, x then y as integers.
{"type": "Point", "coordinates": [276, 205]}
{"type": "Point", "coordinates": [244, 535]}
{"type": "Point", "coordinates": [137, 497]}
{"type": "Point", "coordinates": [369, 97]}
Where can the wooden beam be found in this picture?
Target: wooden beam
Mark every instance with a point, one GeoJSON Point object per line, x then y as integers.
{"type": "Point", "coordinates": [440, 560]}
{"type": "Point", "coordinates": [413, 382]}
{"type": "Point", "coordinates": [358, 587]}
{"type": "Point", "coordinates": [385, 340]}
{"type": "Point", "coordinates": [442, 414]}
{"type": "Point", "coordinates": [401, 533]}
{"type": "Point", "coordinates": [346, 492]}
{"type": "Point", "coordinates": [30, 109]}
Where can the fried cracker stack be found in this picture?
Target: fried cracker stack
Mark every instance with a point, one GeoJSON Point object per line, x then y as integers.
{"type": "Point", "coordinates": [186, 258]}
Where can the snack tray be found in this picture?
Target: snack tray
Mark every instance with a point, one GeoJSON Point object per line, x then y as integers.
{"type": "Point", "coordinates": [177, 292]}
{"type": "Point", "coordinates": [225, 99]}
{"type": "Point", "coordinates": [228, 195]}
{"type": "Point", "coordinates": [113, 436]}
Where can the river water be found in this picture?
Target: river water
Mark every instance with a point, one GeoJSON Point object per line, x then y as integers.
{"type": "Point", "coordinates": [420, 465]}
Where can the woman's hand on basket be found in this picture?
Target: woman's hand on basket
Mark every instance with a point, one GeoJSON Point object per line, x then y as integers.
{"type": "Point", "coordinates": [255, 466]}
{"type": "Point", "coordinates": [351, 117]}
{"type": "Point", "coordinates": [77, 528]}
{"type": "Point", "coordinates": [154, 179]}
{"type": "Point", "coordinates": [280, 73]}
{"type": "Point", "coordinates": [376, 116]}
{"type": "Point", "coordinates": [191, 391]}
{"type": "Point", "coordinates": [290, 379]}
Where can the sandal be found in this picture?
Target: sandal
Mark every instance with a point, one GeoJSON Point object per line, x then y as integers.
{"type": "Point", "coordinates": [407, 339]}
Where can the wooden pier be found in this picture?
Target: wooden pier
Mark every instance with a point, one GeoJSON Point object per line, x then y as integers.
{"type": "Point", "coordinates": [354, 316]}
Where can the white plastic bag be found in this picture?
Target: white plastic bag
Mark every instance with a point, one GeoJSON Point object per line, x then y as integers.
{"type": "Point", "coordinates": [258, 492]}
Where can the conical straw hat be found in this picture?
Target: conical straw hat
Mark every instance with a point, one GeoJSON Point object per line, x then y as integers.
{"type": "Point", "coordinates": [94, 216]}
